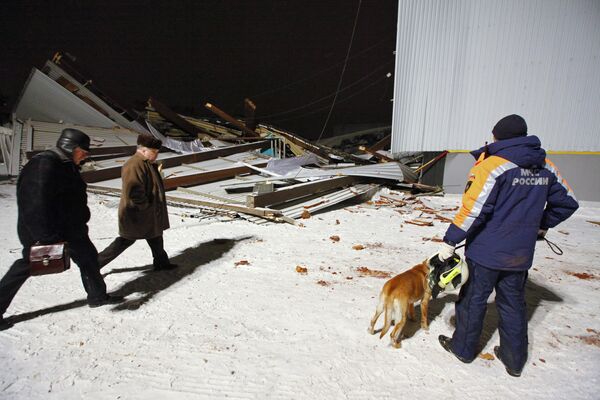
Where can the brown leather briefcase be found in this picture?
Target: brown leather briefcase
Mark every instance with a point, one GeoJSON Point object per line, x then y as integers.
{"type": "Point", "coordinates": [49, 259]}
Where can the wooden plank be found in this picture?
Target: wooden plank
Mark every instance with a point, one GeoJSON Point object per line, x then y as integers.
{"type": "Point", "coordinates": [113, 150]}
{"type": "Point", "coordinates": [206, 177]}
{"type": "Point", "coordinates": [181, 123]}
{"type": "Point", "coordinates": [380, 157]}
{"type": "Point", "coordinates": [110, 156]}
{"type": "Point", "coordinates": [297, 191]}
{"type": "Point", "coordinates": [230, 119]}
{"type": "Point", "coordinates": [250, 113]}
{"type": "Point", "coordinates": [115, 172]}
{"type": "Point", "coordinates": [383, 143]}
{"type": "Point", "coordinates": [259, 212]}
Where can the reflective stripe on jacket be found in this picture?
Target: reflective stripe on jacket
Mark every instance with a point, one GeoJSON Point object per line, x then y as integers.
{"type": "Point", "coordinates": [512, 191]}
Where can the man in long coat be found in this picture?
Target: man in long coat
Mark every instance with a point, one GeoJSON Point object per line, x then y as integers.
{"type": "Point", "coordinates": [52, 205]}
{"type": "Point", "coordinates": [143, 208]}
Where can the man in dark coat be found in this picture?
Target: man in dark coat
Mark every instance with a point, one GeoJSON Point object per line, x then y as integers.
{"type": "Point", "coordinates": [143, 207]}
{"type": "Point", "coordinates": [513, 196]}
{"type": "Point", "coordinates": [52, 205]}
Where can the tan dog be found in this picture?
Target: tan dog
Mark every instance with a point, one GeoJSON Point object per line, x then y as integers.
{"type": "Point", "coordinates": [397, 299]}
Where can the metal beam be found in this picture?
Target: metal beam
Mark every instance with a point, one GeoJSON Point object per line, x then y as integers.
{"type": "Point", "coordinates": [297, 191]}
{"type": "Point", "coordinates": [320, 150]}
{"type": "Point", "coordinates": [209, 195]}
{"type": "Point", "coordinates": [206, 177]}
{"type": "Point", "coordinates": [118, 151]}
{"type": "Point", "coordinates": [303, 143]}
{"type": "Point", "coordinates": [180, 122]}
{"type": "Point", "coordinates": [259, 212]}
{"type": "Point", "coordinates": [230, 119]}
{"type": "Point", "coordinates": [115, 172]}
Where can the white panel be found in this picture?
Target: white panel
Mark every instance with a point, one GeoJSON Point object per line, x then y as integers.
{"type": "Point", "coordinates": [43, 99]}
{"type": "Point", "coordinates": [462, 65]}
{"type": "Point", "coordinates": [55, 72]}
{"type": "Point", "coordinates": [19, 144]}
{"type": "Point", "coordinates": [6, 136]}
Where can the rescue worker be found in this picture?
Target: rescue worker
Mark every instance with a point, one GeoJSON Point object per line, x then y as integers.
{"type": "Point", "coordinates": [143, 206]}
{"type": "Point", "coordinates": [52, 205]}
{"type": "Point", "coordinates": [514, 194]}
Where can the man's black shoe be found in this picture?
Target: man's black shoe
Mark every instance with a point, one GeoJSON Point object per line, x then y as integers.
{"type": "Point", "coordinates": [445, 341]}
{"type": "Point", "coordinates": [4, 324]}
{"type": "Point", "coordinates": [109, 299]}
{"type": "Point", "coordinates": [165, 267]}
{"type": "Point", "coordinates": [510, 371]}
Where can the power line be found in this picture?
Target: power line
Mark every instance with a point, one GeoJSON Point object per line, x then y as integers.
{"type": "Point", "coordinates": [287, 85]}
{"type": "Point", "coordinates": [306, 105]}
{"type": "Point", "coordinates": [339, 102]}
{"type": "Point", "coordinates": [343, 70]}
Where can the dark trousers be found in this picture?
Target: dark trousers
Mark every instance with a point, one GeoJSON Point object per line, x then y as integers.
{"type": "Point", "coordinates": [121, 244]}
{"type": "Point", "coordinates": [512, 312]}
{"type": "Point", "coordinates": [81, 251]}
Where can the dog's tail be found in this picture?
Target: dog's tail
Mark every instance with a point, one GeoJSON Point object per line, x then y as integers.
{"type": "Point", "coordinates": [388, 321]}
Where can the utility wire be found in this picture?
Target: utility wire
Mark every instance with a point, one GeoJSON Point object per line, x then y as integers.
{"type": "Point", "coordinates": [343, 70]}
{"type": "Point", "coordinates": [306, 105]}
{"type": "Point", "coordinates": [306, 78]}
{"type": "Point", "coordinates": [339, 102]}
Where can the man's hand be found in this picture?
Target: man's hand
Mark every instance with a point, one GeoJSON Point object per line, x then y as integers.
{"type": "Point", "coordinates": [445, 251]}
{"type": "Point", "coordinates": [542, 234]}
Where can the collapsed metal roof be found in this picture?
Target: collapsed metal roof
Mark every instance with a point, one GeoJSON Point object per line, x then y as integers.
{"type": "Point", "coordinates": [226, 166]}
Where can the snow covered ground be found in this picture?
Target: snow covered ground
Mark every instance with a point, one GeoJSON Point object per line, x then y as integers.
{"type": "Point", "coordinates": [237, 320]}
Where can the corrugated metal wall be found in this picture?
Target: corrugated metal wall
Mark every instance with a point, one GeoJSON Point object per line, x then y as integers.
{"type": "Point", "coordinates": [45, 135]}
{"type": "Point", "coordinates": [462, 65]}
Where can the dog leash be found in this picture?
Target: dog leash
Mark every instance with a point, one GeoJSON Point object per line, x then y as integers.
{"type": "Point", "coordinates": [554, 247]}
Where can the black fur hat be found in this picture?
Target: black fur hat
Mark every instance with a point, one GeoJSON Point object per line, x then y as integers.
{"type": "Point", "coordinates": [71, 138]}
{"type": "Point", "coordinates": [511, 126]}
{"type": "Point", "coordinates": [149, 141]}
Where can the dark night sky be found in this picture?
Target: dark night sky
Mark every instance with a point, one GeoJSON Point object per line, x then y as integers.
{"type": "Point", "coordinates": [282, 54]}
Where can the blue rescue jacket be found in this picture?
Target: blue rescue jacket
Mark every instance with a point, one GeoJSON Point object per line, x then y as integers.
{"type": "Point", "coordinates": [513, 191]}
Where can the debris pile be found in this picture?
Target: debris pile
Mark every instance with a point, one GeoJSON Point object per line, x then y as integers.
{"type": "Point", "coordinates": [257, 171]}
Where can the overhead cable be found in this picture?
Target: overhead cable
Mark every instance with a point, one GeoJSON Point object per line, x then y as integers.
{"type": "Point", "coordinates": [339, 102]}
{"type": "Point", "coordinates": [306, 78]}
{"type": "Point", "coordinates": [343, 70]}
{"type": "Point", "coordinates": [306, 105]}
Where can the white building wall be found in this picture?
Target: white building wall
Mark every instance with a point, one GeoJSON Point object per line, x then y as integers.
{"type": "Point", "coordinates": [461, 65]}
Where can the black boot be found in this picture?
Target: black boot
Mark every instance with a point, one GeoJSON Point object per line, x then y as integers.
{"type": "Point", "coordinates": [511, 372]}
{"type": "Point", "coordinates": [165, 267]}
{"type": "Point", "coordinates": [109, 299]}
{"type": "Point", "coordinates": [446, 343]}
